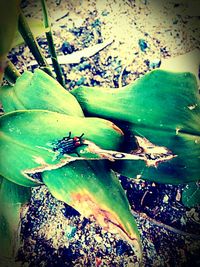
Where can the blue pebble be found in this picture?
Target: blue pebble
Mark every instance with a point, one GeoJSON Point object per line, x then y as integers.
{"type": "Point", "coordinates": [143, 45]}
{"type": "Point", "coordinates": [80, 81]}
{"type": "Point", "coordinates": [67, 48]}
{"type": "Point", "coordinates": [155, 63]}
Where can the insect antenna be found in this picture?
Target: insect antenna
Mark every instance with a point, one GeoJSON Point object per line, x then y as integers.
{"type": "Point", "coordinates": [69, 136]}
{"type": "Point", "coordinates": [81, 136]}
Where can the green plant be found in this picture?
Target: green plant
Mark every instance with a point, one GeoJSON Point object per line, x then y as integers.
{"type": "Point", "coordinates": [173, 130]}
{"type": "Point", "coordinates": [42, 133]}
{"type": "Point", "coordinates": [8, 22]}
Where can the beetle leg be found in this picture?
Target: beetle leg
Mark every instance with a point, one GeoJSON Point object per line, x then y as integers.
{"type": "Point", "coordinates": [77, 154]}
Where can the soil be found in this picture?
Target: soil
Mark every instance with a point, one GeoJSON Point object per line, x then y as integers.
{"type": "Point", "coordinates": [145, 34]}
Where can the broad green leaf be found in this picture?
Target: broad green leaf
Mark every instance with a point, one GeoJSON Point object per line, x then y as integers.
{"type": "Point", "coordinates": [93, 189]}
{"type": "Point", "coordinates": [37, 29]}
{"type": "Point", "coordinates": [12, 198]}
{"type": "Point", "coordinates": [28, 138]}
{"type": "Point", "coordinates": [38, 91]}
{"type": "Point", "coordinates": [160, 100]}
{"type": "Point", "coordinates": [163, 108]}
{"type": "Point", "coordinates": [191, 195]}
{"type": "Point", "coordinates": [182, 167]}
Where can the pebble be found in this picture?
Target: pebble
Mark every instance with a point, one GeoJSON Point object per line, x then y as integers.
{"type": "Point", "coordinates": [98, 238]}
{"type": "Point", "coordinates": [155, 63]}
{"type": "Point", "coordinates": [178, 195]}
{"type": "Point", "coordinates": [67, 48]}
{"type": "Point", "coordinates": [165, 199]}
{"type": "Point", "coordinates": [143, 45]}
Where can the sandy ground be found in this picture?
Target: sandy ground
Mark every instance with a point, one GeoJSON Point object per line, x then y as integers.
{"type": "Point", "coordinates": [145, 35]}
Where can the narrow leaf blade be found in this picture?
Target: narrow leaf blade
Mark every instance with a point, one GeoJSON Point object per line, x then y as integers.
{"type": "Point", "coordinates": [29, 140]}
{"type": "Point", "coordinates": [163, 108]}
{"type": "Point", "coordinates": [93, 189]}
{"type": "Point", "coordinates": [39, 91]}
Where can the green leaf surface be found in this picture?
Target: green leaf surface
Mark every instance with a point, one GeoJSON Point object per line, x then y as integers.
{"type": "Point", "coordinates": [28, 138]}
{"type": "Point", "coordinates": [191, 195]}
{"type": "Point", "coordinates": [161, 107]}
{"type": "Point", "coordinates": [160, 100]}
{"type": "Point", "coordinates": [38, 91]}
{"type": "Point", "coordinates": [183, 167]}
{"type": "Point", "coordinates": [12, 198]}
{"type": "Point", "coordinates": [93, 189]}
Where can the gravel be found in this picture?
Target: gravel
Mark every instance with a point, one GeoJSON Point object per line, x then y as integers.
{"type": "Point", "coordinates": [145, 33]}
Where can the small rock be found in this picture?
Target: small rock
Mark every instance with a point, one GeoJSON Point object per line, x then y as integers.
{"type": "Point", "coordinates": [67, 48]}
{"type": "Point", "coordinates": [105, 13]}
{"type": "Point", "coordinates": [178, 196]}
{"type": "Point", "coordinates": [165, 199]}
{"type": "Point", "coordinates": [98, 262]}
{"type": "Point", "coordinates": [155, 63]}
{"type": "Point", "coordinates": [143, 45]}
{"type": "Point", "coordinates": [80, 81]}
{"type": "Point", "coordinates": [183, 222]}
{"type": "Point", "coordinates": [71, 231]}
{"type": "Point", "coordinates": [98, 238]}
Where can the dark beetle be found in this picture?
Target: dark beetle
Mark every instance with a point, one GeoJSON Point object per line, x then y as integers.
{"type": "Point", "coordinates": [68, 144]}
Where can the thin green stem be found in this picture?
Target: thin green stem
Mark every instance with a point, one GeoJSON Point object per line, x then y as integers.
{"type": "Point", "coordinates": [52, 51]}
{"type": "Point", "coordinates": [11, 73]}
{"type": "Point", "coordinates": [28, 37]}
{"type": "Point", "coordinates": [56, 65]}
